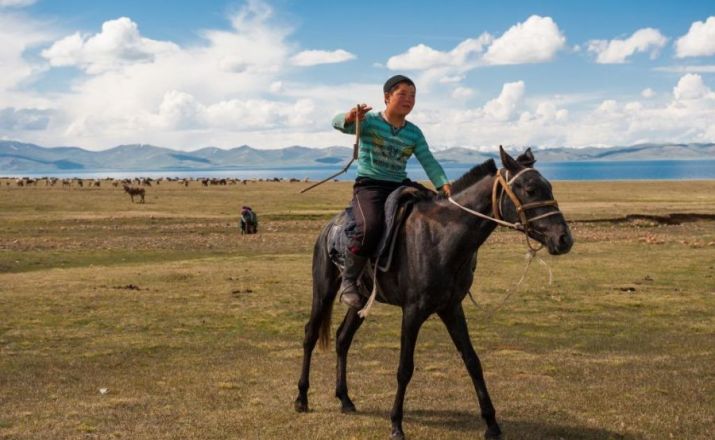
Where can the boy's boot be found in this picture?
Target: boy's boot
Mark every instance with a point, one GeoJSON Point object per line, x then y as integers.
{"type": "Point", "coordinates": [349, 290]}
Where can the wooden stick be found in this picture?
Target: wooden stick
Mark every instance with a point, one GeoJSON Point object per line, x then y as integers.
{"type": "Point", "coordinates": [356, 149]}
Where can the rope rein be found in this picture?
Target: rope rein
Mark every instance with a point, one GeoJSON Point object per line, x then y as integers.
{"type": "Point", "coordinates": [505, 184]}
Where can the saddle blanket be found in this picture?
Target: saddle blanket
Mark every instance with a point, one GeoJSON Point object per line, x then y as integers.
{"type": "Point", "coordinates": [397, 207]}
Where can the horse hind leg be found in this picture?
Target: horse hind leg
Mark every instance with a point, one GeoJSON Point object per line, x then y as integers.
{"type": "Point", "coordinates": [325, 287]}
{"type": "Point", "coordinates": [343, 340]}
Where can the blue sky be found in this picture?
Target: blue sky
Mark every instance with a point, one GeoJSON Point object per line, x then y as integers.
{"type": "Point", "coordinates": [271, 74]}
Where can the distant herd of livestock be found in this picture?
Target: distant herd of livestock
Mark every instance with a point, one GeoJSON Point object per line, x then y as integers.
{"type": "Point", "coordinates": [134, 187]}
{"type": "Point", "coordinates": [147, 181]}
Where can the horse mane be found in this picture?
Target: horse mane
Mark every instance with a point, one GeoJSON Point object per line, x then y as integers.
{"type": "Point", "coordinates": [488, 168]}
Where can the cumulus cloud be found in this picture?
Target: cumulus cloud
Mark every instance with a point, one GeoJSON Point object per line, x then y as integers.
{"type": "Point", "coordinates": [699, 41]}
{"type": "Point", "coordinates": [618, 51]}
{"type": "Point", "coordinates": [118, 44]}
{"type": "Point", "coordinates": [536, 40]}
{"type": "Point", "coordinates": [18, 34]}
{"type": "Point", "coordinates": [246, 84]}
{"type": "Point", "coordinates": [691, 87]}
{"type": "Point", "coordinates": [423, 57]}
{"type": "Point", "coordinates": [209, 92]}
{"type": "Point", "coordinates": [182, 111]}
{"type": "Point", "coordinates": [505, 105]}
{"type": "Point", "coordinates": [315, 57]}
{"type": "Point", "coordinates": [513, 118]}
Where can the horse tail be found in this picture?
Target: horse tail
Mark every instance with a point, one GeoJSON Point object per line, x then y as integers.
{"type": "Point", "coordinates": [325, 286]}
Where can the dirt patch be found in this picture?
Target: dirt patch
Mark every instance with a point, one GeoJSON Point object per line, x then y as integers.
{"type": "Point", "coordinates": [670, 219]}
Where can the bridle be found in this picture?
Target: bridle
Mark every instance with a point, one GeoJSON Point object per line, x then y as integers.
{"type": "Point", "coordinates": [503, 185]}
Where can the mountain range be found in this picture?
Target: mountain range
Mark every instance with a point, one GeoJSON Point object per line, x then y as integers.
{"type": "Point", "coordinates": [18, 157]}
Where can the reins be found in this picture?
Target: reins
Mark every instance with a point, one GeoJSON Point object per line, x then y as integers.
{"type": "Point", "coordinates": [356, 149]}
{"type": "Point", "coordinates": [523, 226]}
{"type": "Point", "coordinates": [501, 186]}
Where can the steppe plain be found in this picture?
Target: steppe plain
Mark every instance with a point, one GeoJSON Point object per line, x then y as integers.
{"type": "Point", "coordinates": [160, 321]}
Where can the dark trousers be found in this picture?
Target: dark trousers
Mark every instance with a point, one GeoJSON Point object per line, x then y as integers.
{"type": "Point", "coordinates": [368, 205]}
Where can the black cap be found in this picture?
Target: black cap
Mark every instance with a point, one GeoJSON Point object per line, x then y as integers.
{"type": "Point", "coordinates": [395, 80]}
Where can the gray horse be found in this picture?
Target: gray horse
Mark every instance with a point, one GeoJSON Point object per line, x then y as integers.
{"type": "Point", "coordinates": [433, 270]}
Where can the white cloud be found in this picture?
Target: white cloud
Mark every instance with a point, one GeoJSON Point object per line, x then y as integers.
{"type": "Point", "coordinates": [18, 34]}
{"type": "Point", "coordinates": [609, 106]}
{"type": "Point", "coordinates": [423, 57]}
{"type": "Point", "coordinates": [505, 105]}
{"type": "Point", "coordinates": [687, 69]}
{"type": "Point", "coordinates": [690, 87]}
{"type": "Point", "coordinates": [535, 41]}
{"type": "Point", "coordinates": [548, 111]}
{"type": "Point", "coordinates": [462, 93]}
{"type": "Point", "coordinates": [648, 93]}
{"type": "Point", "coordinates": [451, 79]}
{"type": "Point", "coordinates": [315, 57]}
{"type": "Point", "coordinates": [181, 111]}
{"type": "Point", "coordinates": [16, 3]}
{"type": "Point", "coordinates": [24, 119]}
{"type": "Point", "coordinates": [699, 41]}
{"type": "Point", "coordinates": [276, 87]}
{"type": "Point", "coordinates": [242, 85]}
{"type": "Point", "coordinates": [618, 51]}
{"type": "Point", "coordinates": [118, 44]}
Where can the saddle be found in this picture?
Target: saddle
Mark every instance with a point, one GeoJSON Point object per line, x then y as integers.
{"type": "Point", "coordinates": [397, 207]}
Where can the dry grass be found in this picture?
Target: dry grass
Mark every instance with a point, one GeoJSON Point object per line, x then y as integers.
{"type": "Point", "coordinates": [196, 332]}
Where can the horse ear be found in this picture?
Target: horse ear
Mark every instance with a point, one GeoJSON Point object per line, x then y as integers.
{"type": "Point", "coordinates": [509, 162]}
{"type": "Point", "coordinates": [527, 158]}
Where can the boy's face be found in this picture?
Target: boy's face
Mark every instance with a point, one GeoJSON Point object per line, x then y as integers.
{"type": "Point", "coordinates": [401, 100]}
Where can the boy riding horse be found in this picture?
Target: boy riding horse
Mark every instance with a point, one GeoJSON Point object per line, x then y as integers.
{"type": "Point", "coordinates": [387, 141]}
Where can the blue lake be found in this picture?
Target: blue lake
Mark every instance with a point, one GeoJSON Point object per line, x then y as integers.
{"type": "Point", "coordinates": [621, 170]}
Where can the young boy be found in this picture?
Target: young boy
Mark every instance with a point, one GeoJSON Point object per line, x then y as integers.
{"type": "Point", "coordinates": [387, 140]}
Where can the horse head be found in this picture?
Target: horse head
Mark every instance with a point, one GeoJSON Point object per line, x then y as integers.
{"type": "Point", "coordinates": [526, 197]}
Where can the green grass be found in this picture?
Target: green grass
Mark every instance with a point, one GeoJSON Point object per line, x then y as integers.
{"type": "Point", "coordinates": [196, 331]}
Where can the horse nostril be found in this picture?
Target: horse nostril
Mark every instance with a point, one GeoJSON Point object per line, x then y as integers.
{"type": "Point", "coordinates": [565, 241]}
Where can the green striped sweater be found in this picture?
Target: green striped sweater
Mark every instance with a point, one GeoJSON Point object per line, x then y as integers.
{"type": "Point", "coordinates": [384, 150]}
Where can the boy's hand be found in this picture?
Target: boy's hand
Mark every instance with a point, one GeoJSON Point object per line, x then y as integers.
{"type": "Point", "coordinates": [358, 111]}
{"type": "Point", "coordinates": [446, 190]}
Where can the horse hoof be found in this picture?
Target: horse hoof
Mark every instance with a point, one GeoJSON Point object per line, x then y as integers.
{"type": "Point", "coordinates": [301, 407]}
{"type": "Point", "coordinates": [397, 435]}
{"type": "Point", "coordinates": [493, 433]}
{"type": "Point", "coordinates": [348, 409]}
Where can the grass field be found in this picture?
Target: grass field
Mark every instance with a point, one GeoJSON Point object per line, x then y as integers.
{"type": "Point", "coordinates": [160, 321]}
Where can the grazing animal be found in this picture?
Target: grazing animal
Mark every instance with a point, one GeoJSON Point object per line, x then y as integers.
{"type": "Point", "coordinates": [249, 221]}
{"type": "Point", "coordinates": [433, 269]}
{"type": "Point", "coordinates": [135, 192]}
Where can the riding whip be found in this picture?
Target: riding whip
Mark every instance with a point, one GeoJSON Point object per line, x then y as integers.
{"type": "Point", "coordinates": [356, 148]}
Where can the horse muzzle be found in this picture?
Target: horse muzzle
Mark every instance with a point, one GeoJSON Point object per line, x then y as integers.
{"type": "Point", "coordinates": [559, 241]}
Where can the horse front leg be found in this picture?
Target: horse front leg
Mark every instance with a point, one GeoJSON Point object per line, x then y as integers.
{"type": "Point", "coordinates": [457, 326]}
{"type": "Point", "coordinates": [343, 340]}
{"type": "Point", "coordinates": [411, 322]}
